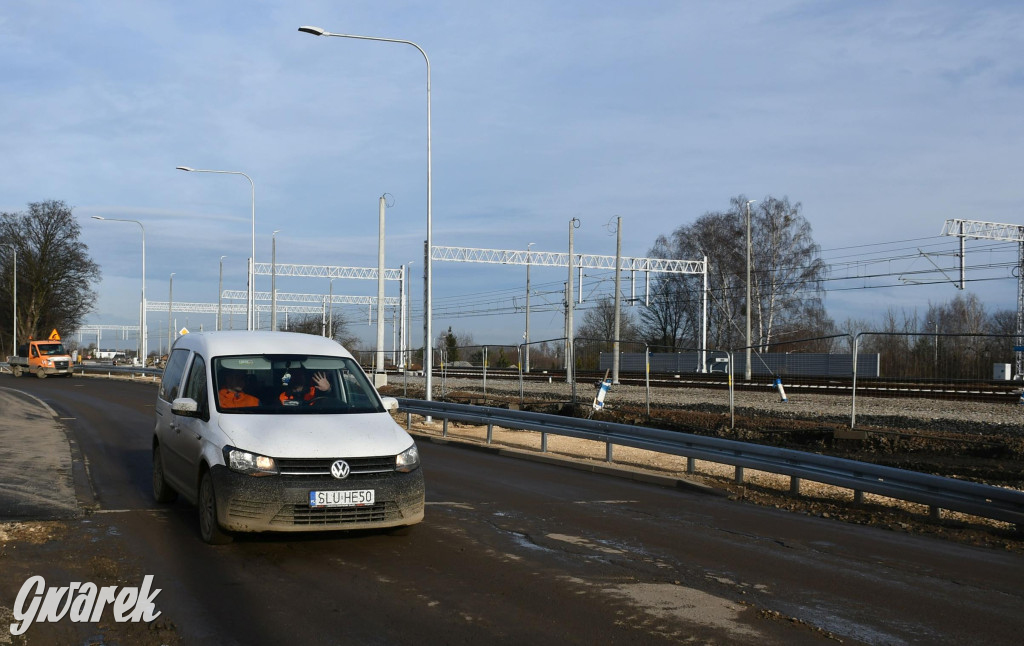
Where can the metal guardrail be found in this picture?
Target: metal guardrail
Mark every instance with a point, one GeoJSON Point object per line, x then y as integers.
{"type": "Point", "coordinates": [937, 492]}
{"type": "Point", "coordinates": [100, 368]}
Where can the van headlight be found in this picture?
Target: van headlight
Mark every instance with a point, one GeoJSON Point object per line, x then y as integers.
{"type": "Point", "coordinates": [408, 460]}
{"type": "Point", "coordinates": [252, 464]}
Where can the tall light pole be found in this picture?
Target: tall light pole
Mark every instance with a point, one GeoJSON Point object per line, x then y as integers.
{"type": "Point", "coordinates": [746, 369]}
{"type": "Point", "coordinates": [273, 280]}
{"type": "Point", "coordinates": [330, 316]}
{"type": "Point", "coordinates": [381, 208]}
{"type": "Point", "coordinates": [170, 307]}
{"type": "Point", "coordinates": [250, 319]}
{"type": "Point", "coordinates": [143, 335]}
{"type": "Point", "coordinates": [14, 304]}
{"type": "Point", "coordinates": [428, 360]}
{"type": "Point", "coordinates": [220, 299]}
{"type": "Point", "coordinates": [526, 335]}
{"type": "Point", "coordinates": [407, 315]}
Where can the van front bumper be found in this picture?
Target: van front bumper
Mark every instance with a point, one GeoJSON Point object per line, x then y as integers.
{"type": "Point", "coordinates": [282, 503]}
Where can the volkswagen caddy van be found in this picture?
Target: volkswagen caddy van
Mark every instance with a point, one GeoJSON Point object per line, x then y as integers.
{"type": "Point", "coordinates": [280, 432]}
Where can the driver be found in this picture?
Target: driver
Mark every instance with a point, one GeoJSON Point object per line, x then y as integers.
{"type": "Point", "coordinates": [299, 387]}
{"type": "Point", "coordinates": [231, 394]}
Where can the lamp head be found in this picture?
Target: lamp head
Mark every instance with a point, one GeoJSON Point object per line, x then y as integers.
{"type": "Point", "coordinates": [185, 168]}
{"type": "Point", "coordinates": [97, 217]}
{"type": "Point", "coordinates": [316, 31]}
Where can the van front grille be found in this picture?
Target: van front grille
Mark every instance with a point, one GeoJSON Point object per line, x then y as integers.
{"type": "Point", "coordinates": [322, 466]}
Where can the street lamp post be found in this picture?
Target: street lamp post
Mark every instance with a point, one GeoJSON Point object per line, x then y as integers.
{"type": "Point", "coordinates": [170, 307]}
{"type": "Point", "coordinates": [250, 319]}
{"type": "Point", "coordinates": [220, 299]}
{"type": "Point", "coordinates": [143, 335]}
{"type": "Point", "coordinates": [407, 315]}
{"type": "Point", "coordinates": [330, 316]}
{"type": "Point", "coordinates": [428, 270]}
{"type": "Point", "coordinates": [526, 336]}
{"type": "Point", "coordinates": [747, 368]}
{"type": "Point", "coordinates": [379, 361]}
{"type": "Point", "coordinates": [14, 303]}
{"type": "Point", "coordinates": [273, 280]}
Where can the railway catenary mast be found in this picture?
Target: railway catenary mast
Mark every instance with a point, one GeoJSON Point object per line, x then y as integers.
{"type": "Point", "coordinates": [964, 229]}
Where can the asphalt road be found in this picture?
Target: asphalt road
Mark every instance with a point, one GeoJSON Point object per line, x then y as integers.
{"type": "Point", "coordinates": [511, 551]}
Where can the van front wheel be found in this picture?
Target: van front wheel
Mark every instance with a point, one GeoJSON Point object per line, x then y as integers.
{"type": "Point", "coordinates": [209, 528]}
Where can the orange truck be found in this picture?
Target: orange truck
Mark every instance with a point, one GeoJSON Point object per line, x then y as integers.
{"type": "Point", "coordinates": [42, 358]}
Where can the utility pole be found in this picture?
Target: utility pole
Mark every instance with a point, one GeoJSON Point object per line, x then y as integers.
{"type": "Point", "coordinates": [273, 280]}
{"type": "Point", "coordinates": [526, 335]}
{"type": "Point", "coordinates": [618, 299]}
{"type": "Point", "coordinates": [569, 359]}
{"type": "Point", "coordinates": [170, 308]}
{"type": "Point", "coordinates": [746, 369]}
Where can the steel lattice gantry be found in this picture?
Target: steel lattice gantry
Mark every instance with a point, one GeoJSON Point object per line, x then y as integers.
{"type": "Point", "coordinates": [326, 271]}
{"type": "Point", "coordinates": [560, 259]}
{"type": "Point", "coordinates": [336, 299]}
{"type": "Point", "coordinates": [587, 261]}
{"type": "Point", "coordinates": [580, 260]}
{"type": "Point", "coordinates": [98, 330]}
{"type": "Point", "coordinates": [964, 229]}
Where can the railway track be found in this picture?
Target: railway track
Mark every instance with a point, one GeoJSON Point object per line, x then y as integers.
{"type": "Point", "coordinates": [997, 391]}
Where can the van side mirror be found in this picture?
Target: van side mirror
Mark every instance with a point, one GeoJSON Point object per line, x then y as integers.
{"type": "Point", "coordinates": [185, 406]}
{"type": "Point", "coordinates": [390, 403]}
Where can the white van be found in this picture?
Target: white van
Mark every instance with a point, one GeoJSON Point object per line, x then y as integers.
{"type": "Point", "coordinates": [280, 432]}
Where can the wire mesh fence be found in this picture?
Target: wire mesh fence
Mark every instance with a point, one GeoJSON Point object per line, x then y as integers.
{"type": "Point", "coordinates": [781, 374]}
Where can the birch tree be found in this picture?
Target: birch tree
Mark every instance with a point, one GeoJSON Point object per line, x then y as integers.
{"type": "Point", "coordinates": [786, 276]}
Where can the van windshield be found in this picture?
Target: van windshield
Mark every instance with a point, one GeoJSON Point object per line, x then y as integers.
{"type": "Point", "coordinates": [292, 385]}
{"type": "Point", "coordinates": [50, 349]}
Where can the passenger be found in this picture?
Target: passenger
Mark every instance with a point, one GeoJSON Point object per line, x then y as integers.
{"type": "Point", "coordinates": [230, 395]}
{"type": "Point", "coordinates": [299, 388]}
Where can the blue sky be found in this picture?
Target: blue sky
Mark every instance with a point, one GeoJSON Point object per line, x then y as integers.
{"type": "Point", "coordinates": [883, 119]}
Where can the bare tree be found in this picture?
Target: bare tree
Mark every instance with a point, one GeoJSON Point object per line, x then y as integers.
{"type": "Point", "coordinates": [315, 324]}
{"type": "Point", "coordinates": [599, 323]}
{"type": "Point", "coordinates": [787, 270]}
{"type": "Point", "coordinates": [786, 292]}
{"type": "Point", "coordinates": [55, 273]}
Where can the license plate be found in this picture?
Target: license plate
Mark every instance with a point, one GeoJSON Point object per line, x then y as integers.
{"type": "Point", "coordinates": [354, 498]}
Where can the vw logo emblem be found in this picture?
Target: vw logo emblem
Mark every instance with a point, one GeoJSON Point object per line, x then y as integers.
{"type": "Point", "coordinates": [340, 469]}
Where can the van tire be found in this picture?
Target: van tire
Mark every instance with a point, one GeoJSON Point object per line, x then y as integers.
{"type": "Point", "coordinates": [209, 528]}
{"type": "Point", "coordinates": [16, 371]}
{"type": "Point", "coordinates": [41, 373]}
